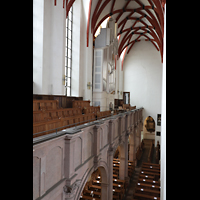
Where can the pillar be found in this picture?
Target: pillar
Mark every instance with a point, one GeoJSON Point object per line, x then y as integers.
{"type": "Point", "coordinates": [69, 157]}
{"type": "Point", "coordinates": [104, 191]}
{"type": "Point", "coordinates": [131, 147]}
{"type": "Point", "coordinates": [127, 179]}
{"type": "Point", "coordinates": [122, 172]}
{"type": "Point", "coordinates": [110, 169]}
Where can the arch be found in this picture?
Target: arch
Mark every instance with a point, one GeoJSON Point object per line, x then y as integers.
{"type": "Point", "coordinates": [104, 173]}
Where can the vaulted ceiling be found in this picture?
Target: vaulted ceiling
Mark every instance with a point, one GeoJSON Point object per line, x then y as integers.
{"type": "Point", "coordinates": [137, 20]}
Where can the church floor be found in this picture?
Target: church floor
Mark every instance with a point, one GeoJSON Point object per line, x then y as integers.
{"type": "Point", "coordinates": [144, 158]}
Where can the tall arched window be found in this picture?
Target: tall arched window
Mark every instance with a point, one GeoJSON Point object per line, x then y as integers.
{"type": "Point", "coordinates": [68, 52]}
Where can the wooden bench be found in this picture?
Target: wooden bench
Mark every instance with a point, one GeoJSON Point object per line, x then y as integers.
{"type": "Point", "coordinates": [150, 169]}
{"type": "Point", "coordinates": [80, 104]}
{"type": "Point", "coordinates": [140, 196]}
{"type": "Point", "coordinates": [103, 114]}
{"type": "Point", "coordinates": [59, 123]}
{"type": "Point", "coordinates": [148, 181]}
{"type": "Point", "coordinates": [149, 173]}
{"type": "Point", "coordinates": [91, 109]}
{"type": "Point", "coordinates": [40, 116]}
{"type": "Point", "coordinates": [142, 184]}
{"type": "Point", "coordinates": [151, 192]}
{"type": "Point", "coordinates": [85, 197]}
{"type": "Point", "coordinates": [45, 104]}
{"type": "Point", "coordinates": [94, 194]}
{"type": "Point", "coordinates": [149, 177]}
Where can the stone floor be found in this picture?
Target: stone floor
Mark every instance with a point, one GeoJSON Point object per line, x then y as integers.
{"type": "Point", "coordinates": [144, 157]}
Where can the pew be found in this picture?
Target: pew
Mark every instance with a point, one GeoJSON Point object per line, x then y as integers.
{"type": "Point", "coordinates": [140, 196]}
{"type": "Point", "coordinates": [149, 181]}
{"type": "Point", "coordinates": [150, 169]}
{"type": "Point", "coordinates": [148, 186]}
{"type": "Point", "coordinates": [151, 166]}
{"type": "Point", "coordinates": [147, 177]}
{"type": "Point", "coordinates": [91, 109]}
{"type": "Point", "coordinates": [150, 192]}
{"type": "Point", "coordinates": [45, 104]}
{"type": "Point", "coordinates": [103, 114]}
{"type": "Point", "coordinates": [85, 197]}
{"type": "Point", "coordinates": [59, 123]}
{"type": "Point", "coordinates": [149, 173]}
{"type": "Point", "coordinates": [47, 115]}
{"type": "Point", "coordinates": [80, 104]}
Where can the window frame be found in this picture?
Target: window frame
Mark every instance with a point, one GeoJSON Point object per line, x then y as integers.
{"type": "Point", "coordinates": [68, 52]}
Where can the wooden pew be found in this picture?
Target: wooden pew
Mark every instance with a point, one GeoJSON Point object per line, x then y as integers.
{"type": "Point", "coordinates": [103, 114]}
{"type": "Point", "coordinates": [140, 196]}
{"type": "Point", "coordinates": [118, 187]}
{"type": "Point", "coordinates": [147, 177]}
{"type": "Point", "coordinates": [86, 197]}
{"type": "Point", "coordinates": [151, 166]}
{"type": "Point", "coordinates": [150, 192]}
{"type": "Point", "coordinates": [93, 193]}
{"type": "Point", "coordinates": [150, 169]}
{"type": "Point", "coordinates": [148, 181]}
{"type": "Point", "coordinates": [80, 104]}
{"type": "Point", "coordinates": [45, 104]}
{"type": "Point", "coordinates": [40, 116]}
{"type": "Point", "coordinates": [150, 173]}
{"type": "Point", "coordinates": [57, 123]}
{"type": "Point", "coordinates": [148, 186]}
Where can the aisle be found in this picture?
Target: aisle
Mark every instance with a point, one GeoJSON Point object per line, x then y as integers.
{"type": "Point", "coordinates": [144, 158]}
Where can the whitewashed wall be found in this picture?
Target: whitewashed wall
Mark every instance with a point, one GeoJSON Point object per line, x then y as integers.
{"type": "Point", "coordinates": [143, 79]}
{"type": "Point", "coordinates": [48, 46]}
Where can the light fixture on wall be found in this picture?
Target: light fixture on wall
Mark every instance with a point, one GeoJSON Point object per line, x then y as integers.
{"type": "Point", "coordinates": [89, 85]}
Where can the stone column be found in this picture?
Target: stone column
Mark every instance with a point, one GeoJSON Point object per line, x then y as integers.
{"type": "Point", "coordinates": [136, 141]}
{"type": "Point", "coordinates": [69, 157]}
{"type": "Point", "coordinates": [122, 171]}
{"type": "Point", "coordinates": [96, 146]}
{"type": "Point", "coordinates": [126, 153]}
{"type": "Point", "coordinates": [131, 146]}
{"type": "Point", "coordinates": [110, 175]}
{"type": "Point", "coordinates": [127, 179]}
{"type": "Point", "coordinates": [104, 191]}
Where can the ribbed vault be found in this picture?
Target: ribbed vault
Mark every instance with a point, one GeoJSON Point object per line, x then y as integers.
{"type": "Point", "coordinates": [137, 20]}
